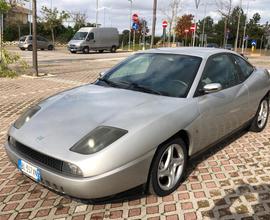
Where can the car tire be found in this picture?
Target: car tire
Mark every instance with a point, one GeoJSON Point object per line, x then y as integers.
{"type": "Point", "coordinates": [30, 48]}
{"type": "Point", "coordinates": [50, 47]}
{"type": "Point", "coordinates": [260, 120]}
{"type": "Point", "coordinates": [113, 49]}
{"type": "Point", "coordinates": [86, 50]}
{"type": "Point", "coordinates": [168, 167]}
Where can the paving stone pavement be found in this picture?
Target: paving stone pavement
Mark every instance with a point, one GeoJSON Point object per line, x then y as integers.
{"type": "Point", "coordinates": [230, 181]}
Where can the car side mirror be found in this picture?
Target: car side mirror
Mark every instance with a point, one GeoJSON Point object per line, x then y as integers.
{"type": "Point", "coordinates": [102, 74]}
{"type": "Point", "coordinates": [212, 87]}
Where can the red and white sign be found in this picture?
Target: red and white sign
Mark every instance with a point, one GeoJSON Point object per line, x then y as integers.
{"type": "Point", "coordinates": [135, 18]}
{"type": "Point", "coordinates": [164, 24]}
{"type": "Point", "coordinates": [193, 27]}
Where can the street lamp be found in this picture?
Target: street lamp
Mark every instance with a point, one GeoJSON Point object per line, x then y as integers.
{"type": "Point", "coordinates": [34, 40]}
{"type": "Point", "coordinates": [96, 13]}
{"type": "Point", "coordinates": [197, 3]}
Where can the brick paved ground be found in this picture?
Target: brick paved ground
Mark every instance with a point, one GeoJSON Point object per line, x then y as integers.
{"type": "Point", "coordinates": [231, 181]}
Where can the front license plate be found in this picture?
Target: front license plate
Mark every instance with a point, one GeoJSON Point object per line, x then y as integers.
{"type": "Point", "coordinates": [29, 170]}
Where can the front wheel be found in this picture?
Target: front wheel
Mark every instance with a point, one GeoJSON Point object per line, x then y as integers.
{"type": "Point", "coordinates": [260, 120]}
{"type": "Point", "coordinates": [86, 50]}
{"type": "Point", "coordinates": [168, 167]}
{"type": "Point", "coordinates": [113, 49]}
{"type": "Point", "coordinates": [30, 48]}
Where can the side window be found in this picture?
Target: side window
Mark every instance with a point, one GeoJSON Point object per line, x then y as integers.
{"type": "Point", "coordinates": [245, 67]}
{"type": "Point", "coordinates": [39, 38]}
{"type": "Point", "coordinates": [91, 36]}
{"type": "Point", "coordinates": [220, 69]}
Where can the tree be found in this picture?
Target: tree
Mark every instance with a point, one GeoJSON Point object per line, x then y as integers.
{"type": "Point", "coordinates": [4, 7]}
{"type": "Point", "coordinates": [207, 25]}
{"type": "Point", "coordinates": [254, 29]}
{"type": "Point", "coordinates": [79, 19]}
{"type": "Point", "coordinates": [171, 13]}
{"type": "Point", "coordinates": [52, 18]}
{"type": "Point", "coordinates": [225, 9]}
{"type": "Point", "coordinates": [184, 23]}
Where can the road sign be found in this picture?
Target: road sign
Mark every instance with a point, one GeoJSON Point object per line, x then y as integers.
{"type": "Point", "coordinates": [246, 37]}
{"type": "Point", "coordinates": [135, 26]}
{"type": "Point", "coordinates": [164, 24]}
{"type": "Point", "coordinates": [135, 18]}
{"type": "Point", "coordinates": [254, 43]}
{"type": "Point", "coordinates": [193, 27]}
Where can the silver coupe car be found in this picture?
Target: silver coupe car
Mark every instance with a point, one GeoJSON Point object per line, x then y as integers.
{"type": "Point", "coordinates": [140, 122]}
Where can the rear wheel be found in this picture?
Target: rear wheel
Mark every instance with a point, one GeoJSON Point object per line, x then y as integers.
{"type": "Point", "coordinates": [30, 48]}
{"type": "Point", "coordinates": [113, 49]}
{"type": "Point", "coordinates": [260, 120]}
{"type": "Point", "coordinates": [50, 47]}
{"type": "Point", "coordinates": [86, 50]}
{"type": "Point", "coordinates": [168, 167]}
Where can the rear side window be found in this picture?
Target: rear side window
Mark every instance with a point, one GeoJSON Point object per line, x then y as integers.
{"type": "Point", "coordinates": [245, 67]}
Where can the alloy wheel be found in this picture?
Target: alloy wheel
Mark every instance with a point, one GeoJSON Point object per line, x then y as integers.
{"type": "Point", "coordinates": [170, 167]}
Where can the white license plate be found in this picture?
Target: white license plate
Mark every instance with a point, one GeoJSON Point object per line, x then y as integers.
{"type": "Point", "coordinates": [29, 170]}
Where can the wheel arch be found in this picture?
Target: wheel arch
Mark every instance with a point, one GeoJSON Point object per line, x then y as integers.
{"type": "Point", "coordinates": [184, 135]}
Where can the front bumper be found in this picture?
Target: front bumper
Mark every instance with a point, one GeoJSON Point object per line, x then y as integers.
{"type": "Point", "coordinates": [23, 45]}
{"type": "Point", "coordinates": [116, 181]}
{"type": "Point", "coordinates": [74, 48]}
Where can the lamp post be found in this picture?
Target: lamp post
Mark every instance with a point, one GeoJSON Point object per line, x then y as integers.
{"type": "Point", "coordinates": [34, 37]}
{"type": "Point", "coordinates": [197, 3]}
{"type": "Point", "coordinates": [96, 13]}
{"type": "Point", "coordinates": [154, 21]}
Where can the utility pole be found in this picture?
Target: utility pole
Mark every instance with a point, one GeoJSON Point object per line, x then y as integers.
{"type": "Point", "coordinates": [245, 29]}
{"type": "Point", "coordinates": [197, 3]}
{"type": "Point", "coordinates": [130, 24]}
{"type": "Point", "coordinates": [30, 18]}
{"type": "Point", "coordinates": [96, 13]}
{"type": "Point", "coordinates": [238, 27]}
{"type": "Point", "coordinates": [154, 21]}
{"type": "Point", "coordinates": [34, 37]}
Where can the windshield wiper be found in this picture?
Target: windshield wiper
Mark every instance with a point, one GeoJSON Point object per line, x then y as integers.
{"type": "Point", "coordinates": [111, 83]}
{"type": "Point", "coordinates": [145, 89]}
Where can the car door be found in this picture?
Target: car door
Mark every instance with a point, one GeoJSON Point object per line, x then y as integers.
{"type": "Point", "coordinates": [220, 112]}
{"type": "Point", "coordinates": [40, 43]}
{"type": "Point", "coordinates": [91, 40]}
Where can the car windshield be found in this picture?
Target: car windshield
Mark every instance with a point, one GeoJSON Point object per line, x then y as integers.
{"type": "Point", "coordinates": [80, 36]}
{"type": "Point", "coordinates": [23, 38]}
{"type": "Point", "coordinates": [162, 74]}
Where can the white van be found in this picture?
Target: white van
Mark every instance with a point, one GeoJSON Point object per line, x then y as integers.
{"type": "Point", "coordinates": [97, 39]}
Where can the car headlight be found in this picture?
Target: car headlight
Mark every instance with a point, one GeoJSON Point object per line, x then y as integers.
{"type": "Point", "coordinates": [98, 139]}
{"type": "Point", "coordinates": [26, 116]}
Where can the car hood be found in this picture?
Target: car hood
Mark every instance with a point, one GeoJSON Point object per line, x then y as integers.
{"type": "Point", "coordinates": [67, 117]}
{"type": "Point", "coordinates": [75, 42]}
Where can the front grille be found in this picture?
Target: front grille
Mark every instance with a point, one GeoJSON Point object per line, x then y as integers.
{"type": "Point", "coordinates": [36, 156]}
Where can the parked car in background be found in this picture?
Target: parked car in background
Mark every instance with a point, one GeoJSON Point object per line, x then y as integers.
{"type": "Point", "coordinates": [97, 39]}
{"type": "Point", "coordinates": [25, 43]}
{"type": "Point", "coordinates": [229, 47]}
{"type": "Point", "coordinates": [212, 45]}
{"type": "Point", "coordinates": [140, 122]}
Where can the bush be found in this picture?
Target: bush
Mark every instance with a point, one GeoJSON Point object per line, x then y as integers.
{"type": "Point", "coordinates": [8, 60]}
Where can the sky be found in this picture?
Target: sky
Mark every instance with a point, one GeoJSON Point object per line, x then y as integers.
{"type": "Point", "coordinates": [116, 13]}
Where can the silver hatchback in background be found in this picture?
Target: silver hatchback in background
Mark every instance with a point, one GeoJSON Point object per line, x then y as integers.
{"type": "Point", "coordinates": [25, 43]}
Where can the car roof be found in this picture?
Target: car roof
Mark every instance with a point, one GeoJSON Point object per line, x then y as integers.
{"type": "Point", "coordinates": [202, 52]}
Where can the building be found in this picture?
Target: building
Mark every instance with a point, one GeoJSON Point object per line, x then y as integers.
{"type": "Point", "coordinates": [17, 15]}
